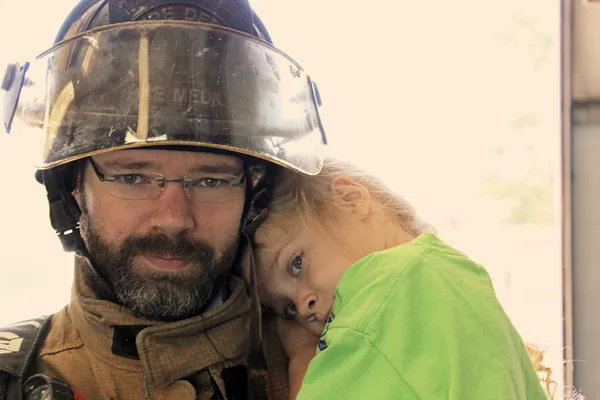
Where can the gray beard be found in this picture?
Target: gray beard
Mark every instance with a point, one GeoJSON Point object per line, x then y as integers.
{"type": "Point", "coordinates": [164, 299]}
{"type": "Point", "coordinates": [151, 293]}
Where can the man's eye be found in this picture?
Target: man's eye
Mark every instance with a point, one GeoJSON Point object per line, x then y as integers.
{"type": "Point", "coordinates": [296, 264]}
{"type": "Point", "coordinates": [131, 179]}
{"type": "Point", "coordinates": [289, 310]}
{"type": "Point", "coordinates": [209, 182]}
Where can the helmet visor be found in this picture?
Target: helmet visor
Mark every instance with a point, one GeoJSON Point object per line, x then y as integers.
{"type": "Point", "coordinates": [171, 83]}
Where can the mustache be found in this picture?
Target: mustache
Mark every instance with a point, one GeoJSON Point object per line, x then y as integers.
{"type": "Point", "coordinates": [161, 245]}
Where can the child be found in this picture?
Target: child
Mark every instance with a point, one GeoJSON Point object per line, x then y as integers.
{"type": "Point", "coordinates": [400, 314]}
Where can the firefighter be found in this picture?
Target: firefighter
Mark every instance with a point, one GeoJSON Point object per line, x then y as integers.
{"type": "Point", "coordinates": [162, 126]}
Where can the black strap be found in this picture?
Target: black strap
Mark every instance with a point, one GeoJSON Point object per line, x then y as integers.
{"type": "Point", "coordinates": [257, 365]}
{"type": "Point", "coordinates": [64, 211]}
{"type": "Point", "coordinates": [4, 385]}
{"type": "Point", "coordinates": [232, 378]}
{"type": "Point", "coordinates": [64, 217]}
{"type": "Point", "coordinates": [18, 344]}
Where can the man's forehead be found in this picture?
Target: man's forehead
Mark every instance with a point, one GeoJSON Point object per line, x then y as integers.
{"type": "Point", "coordinates": [163, 157]}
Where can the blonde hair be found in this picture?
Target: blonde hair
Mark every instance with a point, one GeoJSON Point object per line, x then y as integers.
{"type": "Point", "coordinates": [544, 373]}
{"type": "Point", "coordinates": [309, 197]}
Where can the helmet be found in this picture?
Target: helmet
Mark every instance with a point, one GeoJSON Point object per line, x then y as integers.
{"type": "Point", "coordinates": [138, 73]}
{"type": "Point", "coordinates": [143, 73]}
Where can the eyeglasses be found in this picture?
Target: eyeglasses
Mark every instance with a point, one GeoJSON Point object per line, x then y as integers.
{"type": "Point", "coordinates": [199, 187]}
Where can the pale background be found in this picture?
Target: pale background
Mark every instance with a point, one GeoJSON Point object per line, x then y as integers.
{"type": "Point", "coordinates": [454, 104]}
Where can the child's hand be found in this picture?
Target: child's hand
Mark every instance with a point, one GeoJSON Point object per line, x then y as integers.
{"type": "Point", "coordinates": [296, 339]}
{"type": "Point", "coordinates": [300, 345]}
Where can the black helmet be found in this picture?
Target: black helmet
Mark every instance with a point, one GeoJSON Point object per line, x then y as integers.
{"type": "Point", "coordinates": [141, 73]}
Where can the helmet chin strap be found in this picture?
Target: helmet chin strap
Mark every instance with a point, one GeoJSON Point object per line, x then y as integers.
{"type": "Point", "coordinates": [64, 217]}
{"type": "Point", "coordinates": [64, 212]}
{"type": "Point", "coordinates": [257, 366]}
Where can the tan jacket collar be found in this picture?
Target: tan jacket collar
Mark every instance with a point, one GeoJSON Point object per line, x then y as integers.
{"type": "Point", "coordinates": [167, 351]}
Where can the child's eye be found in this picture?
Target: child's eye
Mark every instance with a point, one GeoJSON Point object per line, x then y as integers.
{"type": "Point", "coordinates": [296, 264]}
{"type": "Point", "coordinates": [289, 310]}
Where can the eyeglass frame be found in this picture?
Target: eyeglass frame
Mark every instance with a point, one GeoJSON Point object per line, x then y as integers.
{"type": "Point", "coordinates": [102, 177]}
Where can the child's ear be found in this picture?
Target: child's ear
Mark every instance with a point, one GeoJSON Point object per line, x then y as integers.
{"type": "Point", "coordinates": [353, 195]}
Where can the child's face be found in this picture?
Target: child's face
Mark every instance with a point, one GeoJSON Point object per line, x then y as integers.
{"type": "Point", "coordinates": [299, 266]}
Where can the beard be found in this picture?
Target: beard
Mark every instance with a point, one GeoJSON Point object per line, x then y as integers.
{"type": "Point", "coordinates": [152, 293]}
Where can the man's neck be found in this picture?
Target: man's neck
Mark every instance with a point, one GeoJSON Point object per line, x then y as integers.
{"type": "Point", "coordinates": [218, 298]}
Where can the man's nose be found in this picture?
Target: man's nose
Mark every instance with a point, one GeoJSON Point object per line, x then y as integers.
{"type": "Point", "coordinates": [174, 210]}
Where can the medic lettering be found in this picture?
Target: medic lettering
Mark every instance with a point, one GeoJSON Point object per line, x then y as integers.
{"type": "Point", "coordinates": [183, 95]}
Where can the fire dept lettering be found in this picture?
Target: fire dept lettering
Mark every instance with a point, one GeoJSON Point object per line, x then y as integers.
{"type": "Point", "coordinates": [181, 13]}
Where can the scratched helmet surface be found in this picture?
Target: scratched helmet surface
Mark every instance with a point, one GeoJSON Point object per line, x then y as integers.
{"type": "Point", "coordinates": [165, 74]}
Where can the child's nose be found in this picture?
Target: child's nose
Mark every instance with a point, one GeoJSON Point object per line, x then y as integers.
{"type": "Point", "coordinates": [308, 305]}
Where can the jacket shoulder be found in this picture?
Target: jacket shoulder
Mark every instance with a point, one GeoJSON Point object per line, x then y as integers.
{"type": "Point", "coordinates": [19, 342]}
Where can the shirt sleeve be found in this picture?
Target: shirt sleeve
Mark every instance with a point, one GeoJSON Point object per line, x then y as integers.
{"type": "Point", "coordinates": [351, 368]}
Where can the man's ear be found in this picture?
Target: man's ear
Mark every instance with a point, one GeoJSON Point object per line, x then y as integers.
{"type": "Point", "coordinates": [77, 194]}
{"type": "Point", "coordinates": [352, 195]}
{"type": "Point", "coordinates": [76, 180]}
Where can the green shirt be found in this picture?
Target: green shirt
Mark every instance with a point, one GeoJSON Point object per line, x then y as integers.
{"type": "Point", "coordinates": [419, 321]}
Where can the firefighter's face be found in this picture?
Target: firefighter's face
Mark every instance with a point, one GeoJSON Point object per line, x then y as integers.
{"type": "Point", "coordinates": [166, 246]}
